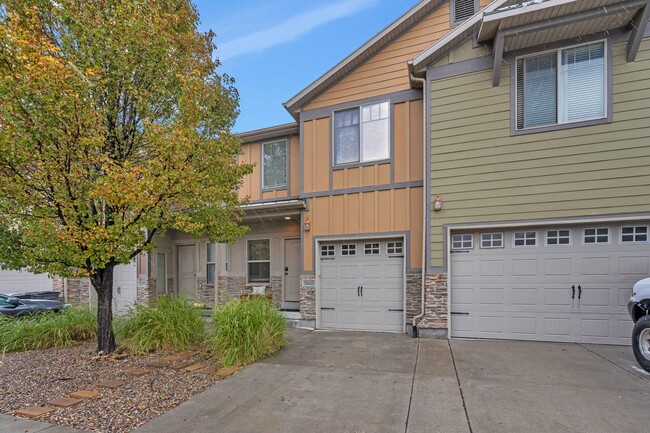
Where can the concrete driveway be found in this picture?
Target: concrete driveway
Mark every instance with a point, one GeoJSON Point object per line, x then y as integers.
{"type": "Point", "coordinates": [371, 382]}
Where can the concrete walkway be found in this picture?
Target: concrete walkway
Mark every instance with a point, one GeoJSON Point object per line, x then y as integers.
{"type": "Point", "coordinates": [373, 382]}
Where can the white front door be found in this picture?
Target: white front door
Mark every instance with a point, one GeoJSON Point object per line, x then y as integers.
{"type": "Point", "coordinates": [187, 270]}
{"type": "Point", "coordinates": [291, 287]}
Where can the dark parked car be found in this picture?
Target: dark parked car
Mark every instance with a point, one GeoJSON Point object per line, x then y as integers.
{"type": "Point", "coordinates": [10, 306]}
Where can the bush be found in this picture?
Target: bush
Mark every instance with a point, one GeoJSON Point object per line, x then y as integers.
{"type": "Point", "coordinates": [43, 331]}
{"type": "Point", "coordinates": [169, 324]}
{"type": "Point", "coordinates": [246, 330]}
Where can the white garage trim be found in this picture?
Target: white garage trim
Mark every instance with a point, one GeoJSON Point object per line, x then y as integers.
{"type": "Point", "coordinates": [357, 238]}
{"type": "Point", "coordinates": [554, 222]}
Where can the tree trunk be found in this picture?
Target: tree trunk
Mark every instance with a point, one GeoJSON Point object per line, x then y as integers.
{"type": "Point", "coordinates": [102, 281]}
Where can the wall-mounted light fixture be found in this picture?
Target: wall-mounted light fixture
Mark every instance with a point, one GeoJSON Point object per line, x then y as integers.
{"type": "Point", "coordinates": [437, 203]}
{"type": "Point", "coordinates": [307, 225]}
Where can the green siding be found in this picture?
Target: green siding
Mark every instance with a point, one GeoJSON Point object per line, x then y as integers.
{"type": "Point", "coordinates": [485, 175]}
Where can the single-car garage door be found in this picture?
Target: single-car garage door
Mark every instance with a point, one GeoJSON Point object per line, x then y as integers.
{"type": "Point", "coordinates": [551, 284]}
{"type": "Point", "coordinates": [362, 285]}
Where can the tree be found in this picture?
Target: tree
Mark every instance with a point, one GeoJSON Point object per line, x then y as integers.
{"type": "Point", "coordinates": [114, 126]}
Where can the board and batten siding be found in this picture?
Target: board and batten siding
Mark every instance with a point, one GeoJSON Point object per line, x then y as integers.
{"type": "Point", "coordinates": [485, 175]}
{"type": "Point", "coordinates": [251, 187]}
{"type": "Point", "coordinates": [386, 72]}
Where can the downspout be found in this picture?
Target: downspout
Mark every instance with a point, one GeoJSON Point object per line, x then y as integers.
{"type": "Point", "coordinates": [425, 197]}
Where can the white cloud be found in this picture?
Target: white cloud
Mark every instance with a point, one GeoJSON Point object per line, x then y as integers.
{"type": "Point", "coordinates": [291, 29]}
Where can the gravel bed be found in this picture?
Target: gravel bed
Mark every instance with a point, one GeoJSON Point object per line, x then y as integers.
{"type": "Point", "coordinates": [35, 377]}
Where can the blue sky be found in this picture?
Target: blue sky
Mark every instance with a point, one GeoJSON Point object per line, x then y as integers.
{"type": "Point", "coordinates": [275, 48]}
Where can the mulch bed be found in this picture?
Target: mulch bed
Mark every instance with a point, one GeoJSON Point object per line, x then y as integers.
{"type": "Point", "coordinates": [33, 378]}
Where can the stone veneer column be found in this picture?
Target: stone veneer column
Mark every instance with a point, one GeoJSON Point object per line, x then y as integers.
{"type": "Point", "coordinates": [276, 290]}
{"type": "Point", "coordinates": [146, 291]}
{"type": "Point", "coordinates": [413, 295]}
{"type": "Point", "coordinates": [308, 297]}
{"type": "Point", "coordinates": [229, 288]}
{"type": "Point", "coordinates": [435, 306]}
{"type": "Point", "coordinates": [205, 293]}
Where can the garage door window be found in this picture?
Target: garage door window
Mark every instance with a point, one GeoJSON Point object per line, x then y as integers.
{"type": "Point", "coordinates": [371, 249]}
{"type": "Point", "coordinates": [491, 240]}
{"type": "Point", "coordinates": [525, 239]}
{"type": "Point", "coordinates": [597, 236]}
{"type": "Point", "coordinates": [558, 237]}
{"type": "Point", "coordinates": [394, 248]}
{"type": "Point", "coordinates": [259, 261]}
{"type": "Point", "coordinates": [327, 251]}
{"type": "Point", "coordinates": [349, 250]}
{"type": "Point", "coordinates": [462, 241]}
{"type": "Point", "coordinates": [634, 234]}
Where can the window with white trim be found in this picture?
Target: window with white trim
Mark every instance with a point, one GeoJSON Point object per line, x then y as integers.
{"type": "Point", "coordinates": [361, 134]}
{"type": "Point", "coordinates": [634, 234]}
{"type": "Point", "coordinates": [492, 240]}
{"type": "Point", "coordinates": [210, 258]}
{"type": "Point", "coordinates": [274, 164]}
{"type": "Point", "coordinates": [259, 261]}
{"type": "Point", "coordinates": [463, 241]}
{"type": "Point", "coordinates": [327, 251]}
{"type": "Point", "coordinates": [462, 9]}
{"type": "Point", "coordinates": [562, 86]}
{"type": "Point", "coordinates": [394, 248]}
{"type": "Point", "coordinates": [596, 235]}
{"type": "Point", "coordinates": [558, 237]}
{"type": "Point", "coordinates": [371, 249]}
{"type": "Point", "coordinates": [349, 250]}
{"type": "Point", "coordinates": [525, 239]}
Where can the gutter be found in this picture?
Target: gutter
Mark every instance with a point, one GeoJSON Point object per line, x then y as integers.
{"type": "Point", "coordinates": [425, 197]}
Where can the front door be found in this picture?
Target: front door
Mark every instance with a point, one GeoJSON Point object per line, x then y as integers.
{"type": "Point", "coordinates": [187, 271]}
{"type": "Point", "coordinates": [291, 292]}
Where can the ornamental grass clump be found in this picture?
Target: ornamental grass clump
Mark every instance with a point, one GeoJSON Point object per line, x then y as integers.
{"type": "Point", "coordinates": [246, 330]}
{"type": "Point", "coordinates": [170, 324]}
{"type": "Point", "coordinates": [42, 331]}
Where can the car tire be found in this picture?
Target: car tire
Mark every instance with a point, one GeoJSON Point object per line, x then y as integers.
{"type": "Point", "coordinates": [641, 342]}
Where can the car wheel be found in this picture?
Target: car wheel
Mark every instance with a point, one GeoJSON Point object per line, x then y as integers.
{"type": "Point", "coordinates": [641, 342]}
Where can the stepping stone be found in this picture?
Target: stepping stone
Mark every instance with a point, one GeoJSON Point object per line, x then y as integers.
{"type": "Point", "coordinates": [137, 372]}
{"type": "Point", "coordinates": [110, 384]}
{"type": "Point", "coordinates": [208, 370]}
{"type": "Point", "coordinates": [64, 402]}
{"type": "Point", "coordinates": [225, 372]}
{"type": "Point", "coordinates": [158, 364]}
{"type": "Point", "coordinates": [84, 393]}
{"type": "Point", "coordinates": [34, 411]}
{"type": "Point", "coordinates": [186, 355]}
{"type": "Point", "coordinates": [195, 367]}
{"type": "Point", "coordinates": [181, 365]}
{"type": "Point", "coordinates": [173, 358]}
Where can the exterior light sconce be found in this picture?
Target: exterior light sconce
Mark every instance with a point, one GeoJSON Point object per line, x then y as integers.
{"type": "Point", "coordinates": [307, 225]}
{"type": "Point", "coordinates": [437, 203]}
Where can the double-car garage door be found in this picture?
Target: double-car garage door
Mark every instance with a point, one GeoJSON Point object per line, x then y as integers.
{"type": "Point", "coordinates": [362, 285]}
{"type": "Point", "coordinates": [567, 284]}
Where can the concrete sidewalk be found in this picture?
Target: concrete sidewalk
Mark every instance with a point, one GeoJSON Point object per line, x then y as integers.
{"type": "Point", "coordinates": [11, 424]}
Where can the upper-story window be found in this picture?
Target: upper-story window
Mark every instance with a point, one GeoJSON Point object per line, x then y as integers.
{"type": "Point", "coordinates": [361, 134]}
{"type": "Point", "coordinates": [561, 86]}
{"type": "Point", "coordinates": [274, 164]}
{"type": "Point", "coordinates": [463, 9]}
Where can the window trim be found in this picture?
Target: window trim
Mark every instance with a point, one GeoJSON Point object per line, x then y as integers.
{"type": "Point", "coordinates": [633, 226]}
{"type": "Point", "coordinates": [546, 244]}
{"type": "Point", "coordinates": [525, 246]}
{"type": "Point", "coordinates": [558, 47]}
{"type": "Point", "coordinates": [609, 236]}
{"type": "Point", "coordinates": [208, 263]}
{"type": "Point", "coordinates": [451, 242]}
{"type": "Point", "coordinates": [452, 10]}
{"type": "Point", "coordinates": [503, 240]}
{"type": "Point", "coordinates": [359, 106]}
{"type": "Point", "coordinates": [286, 179]}
{"type": "Point", "coordinates": [248, 281]}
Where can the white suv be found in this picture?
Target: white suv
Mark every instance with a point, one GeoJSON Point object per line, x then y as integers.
{"type": "Point", "coordinates": [639, 308]}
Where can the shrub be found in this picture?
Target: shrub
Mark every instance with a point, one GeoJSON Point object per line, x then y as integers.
{"type": "Point", "coordinates": [246, 330]}
{"type": "Point", "coordinates": [43, 331]}
{"type": "Point", "coordinates": [168, 324]}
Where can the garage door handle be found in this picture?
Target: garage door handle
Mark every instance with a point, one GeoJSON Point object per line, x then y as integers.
{"type": "Point", "coordinates": [326, 308]}
{"type": "Point", "coordinates": [358, 290]}
{"type": "Point", "coordinates": [394, 309]}
{"type": "Point", "coordinates": [579, 292]}
{"type": "Point", "coordinates": [573, 293]}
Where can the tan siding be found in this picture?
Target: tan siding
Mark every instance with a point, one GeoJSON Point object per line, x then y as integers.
{"type": "Point", "coordinates": [485, 175]}
{"type": "Point", "coordinates": [294, 166]}
{"type": "Point", "coordinates": [407, 141]}
{"type": "Point", "coordinates": [386, 71]}
{"type": "Point", "coordinates": [372, 212]}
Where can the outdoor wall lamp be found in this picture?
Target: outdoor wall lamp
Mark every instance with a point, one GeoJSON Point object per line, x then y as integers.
{"type": "Point", "coordinates": [437, 203]}
{"type": "Point", "coordinates": [307, 225]}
